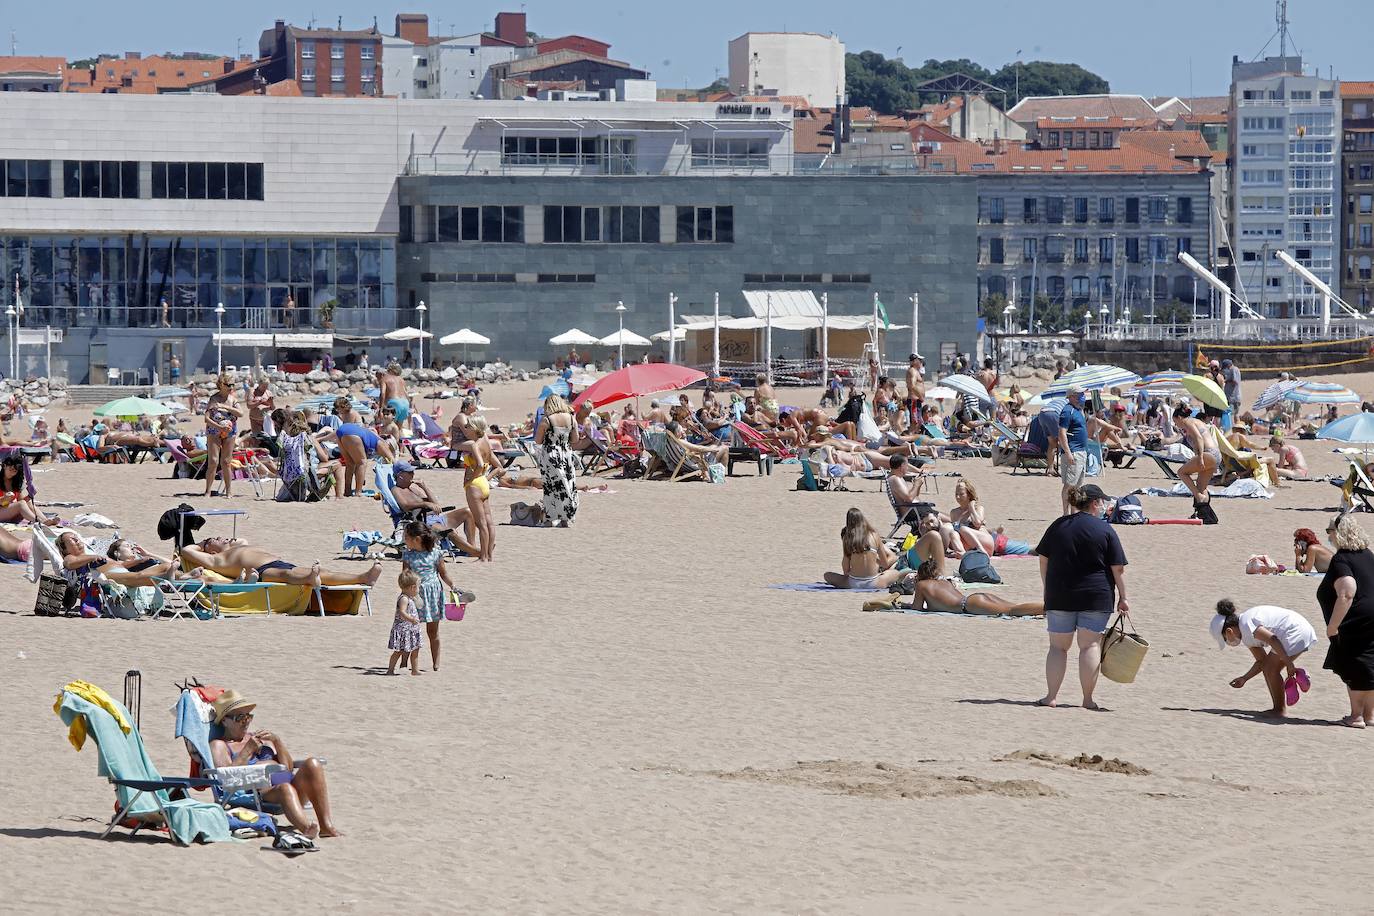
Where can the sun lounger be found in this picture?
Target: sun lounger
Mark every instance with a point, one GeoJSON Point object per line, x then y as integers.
{"type": "Point", "coordinates": [143, 796]}
{"type": "Point", "coordinates": [672, 458]}
{"type": "Point", "coordinates": [908, 513]}
{"type": "Point", "coordinates": [1357, 490]}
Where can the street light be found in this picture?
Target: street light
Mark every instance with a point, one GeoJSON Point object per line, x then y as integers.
{"type": "Point", "coordinates": [1104, 312]}
{"type": "Point", "coordinates": [421, 309]}
{"type": "Point", "coordinates": [12, 325]}
{"type": "Point", "coordinates": [219, 324]}
{"type": "Point", "coordinates": [620, 313]}
{"type": "Point", "coordinates": [672, 321]}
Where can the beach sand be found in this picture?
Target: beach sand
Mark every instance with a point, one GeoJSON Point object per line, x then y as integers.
{"type": "Point", "coordinates": [629, 719]}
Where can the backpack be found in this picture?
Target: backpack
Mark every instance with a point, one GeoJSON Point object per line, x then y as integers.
{"type": "Point", "coordinates": [1205, 512]}
{"type": "Point", "coordinates": [976, 566]}
{"type": "Point", "coordinates": [1128, 511]}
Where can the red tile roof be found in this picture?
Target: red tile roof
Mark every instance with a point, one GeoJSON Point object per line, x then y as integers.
{"type": "Point", "coordinates": [1010, 158]}
{"type": "Point", "coordinates": [1357, 89]}
{"type": "Point", "coordinates": [1096, 123]}
{"type": "Point", "coordinates": [146, 75]}
{"type": "Point", "coordinates": [1034, 108]}
{"type": "Point", "coordinates": [47, 65]}
{"type": "Point", "coordinates": [1181, 144]}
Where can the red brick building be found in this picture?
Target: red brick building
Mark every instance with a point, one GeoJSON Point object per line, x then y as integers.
{"type": "Point", "coordinates": [323, 62]}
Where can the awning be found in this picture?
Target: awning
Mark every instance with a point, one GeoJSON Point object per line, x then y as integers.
{"type": "Point", "coordinates": [793, 323]}
{"type": "Point", "coordinates": [246, 339]}
{"type": "Point", "coordinates": [781, 302]}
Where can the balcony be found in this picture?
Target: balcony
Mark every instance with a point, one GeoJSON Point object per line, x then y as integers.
{"type": "Point", "coordinates": [340, 320]}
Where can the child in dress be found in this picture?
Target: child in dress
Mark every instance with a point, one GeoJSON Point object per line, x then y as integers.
{"type": "Point", "coordinates": [423, 555]}
{"type": "Point", "coordinates": [405, 629]}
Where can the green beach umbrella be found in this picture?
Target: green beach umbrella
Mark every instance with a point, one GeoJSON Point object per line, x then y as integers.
{"type": "Point", "coordinates": [133, 407]}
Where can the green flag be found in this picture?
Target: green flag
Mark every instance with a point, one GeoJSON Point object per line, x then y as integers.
{"type": "Point", "coordinates": [882, 313]}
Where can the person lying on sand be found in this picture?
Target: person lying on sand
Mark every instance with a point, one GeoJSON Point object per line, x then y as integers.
{"type": "Point", "coordinates": [236, 560]}
{"type": "Point", "coordinates": [936, 594]}
{"type": "Point", "coordinates": [125, 563]}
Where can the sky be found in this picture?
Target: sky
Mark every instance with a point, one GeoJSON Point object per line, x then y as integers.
{"type": "Point", "coordinates": [1164, 47]}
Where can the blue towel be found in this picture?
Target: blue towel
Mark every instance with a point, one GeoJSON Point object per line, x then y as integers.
{"type": "Point", "coordinates": [191, 727]}
{"type": "Point", "coordinates": [820, 587]}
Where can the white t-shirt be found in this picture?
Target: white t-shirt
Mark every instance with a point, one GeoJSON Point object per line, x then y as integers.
{"type": "Point", "coordinates": [1294, 632]}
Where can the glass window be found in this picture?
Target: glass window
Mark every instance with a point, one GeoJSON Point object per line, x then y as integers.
{"type": "Point", "coordinates": [447, 230]}
{"type": "Point", "coordinates": [491, 224]}
{"type": "Point", "coordinates": [324, 262]}
{"type": "Point", "coordinates": [472, 224]}
{"type": "Point", "coordinates": [1185, 209]}
{"type": "Point", "coordinates": [346, 262]}
{"type": "Point", "coordinates": [997, 210]}
{"type": "Point", "coordinates": [725, 225]}
{"type": "Point", "coordinates": [1054, 209]}
{"type": "Point", "coordinates": [214, 180]}
{"type": "Point", "coordinates": [307, 49]}
{"type": "Point", "coordinates": [1080, 209]}
{"type": "Point", "coordinates": [176, 180]}
{"type": "Point", "coordinates": [336, 51]}
{"type": "Point", "coordinates": [195, 180]}
{"type": "Point", "coordinates": [1133, 209]}
{"type": "Point", "coordinates": [253, 178]}
{"type": "Point", "coordinates": [996, 250]}
{"type": "Point", "coordinates": [1028, 210]}
{"type": "Point", "coordinates": [17, 178]}
{"type": "Point", "coordinates": [1106, 209]}
{"type": "Point", "coordinates": [235, 183]}
{"type": "Point", "coordinates": [302, 262]}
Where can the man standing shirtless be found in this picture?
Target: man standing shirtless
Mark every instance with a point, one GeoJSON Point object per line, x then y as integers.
{"type": "Point", "coordinates": [234, 559]}
{"type": "Point", "coordinates": [393, 391]}
{"type": "Point", "coordinates": [915, 387]}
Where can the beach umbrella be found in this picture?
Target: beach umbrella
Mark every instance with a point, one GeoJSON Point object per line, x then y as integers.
{"type": "Point", "coordinates": [941, 393]}
{"type": "Point", "coordinates": [172, 392]}
{"type": "Point", "coordinates": [466, 337]}
{"type": "Point", "coordinates": [1042, 403]}
{"type": "Point", "coordinates": [133, 407]}
{"type": "Point", "coordinates": [558, 386]}
{"type": "Point", "coordinates": [624, 338]}
{"type": "Point", "coordinates": [582, 380]}
{"type": "Point", "coordinates": [1166, 382]}
{"type": "Point", "coordinates": [1206, 391]}
{"type": "Point", "coordinates": [638, 379]}
{"type": "Point", "coordinates": [1321, 393]}
{"type": "Point", "coordinates": [1274, 393]}
{"type": "Point", "coordinates": [407, 333]}
{"type": "Point", "coordinates": [968, 385]}
{"type": "Point", "coordinates": [676, 334]}
{"type": "Point", "coordinates": [1358, 428]}
{"type": "Point", "coordinates": [1093, 378]}
{"type": "Point", "coordinates": [573, 338]}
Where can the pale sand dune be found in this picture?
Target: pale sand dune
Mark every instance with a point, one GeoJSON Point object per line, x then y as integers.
{"type": "Point", "coordinates": [630, 720]}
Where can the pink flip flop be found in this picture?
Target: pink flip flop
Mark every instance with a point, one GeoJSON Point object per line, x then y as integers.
{"type": "Point", "coordinates": [1304, 682]}
{"type": "Point", "coordinates": [1290, 691]}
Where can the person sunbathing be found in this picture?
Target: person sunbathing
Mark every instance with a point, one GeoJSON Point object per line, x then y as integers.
{"type": "Point", "coordinates": [234, 559]}
{"type": "Point", "coordinates": [415, 499]}
{"type": "Point", "coordinates": [865, 560]}
{"type": "Point", "coordinates": [713, 454]}
{"type": "Point", "coordinates": [124, 562]}
{"type": "Point", "coordinates": [125, 438]}
{"type": "Point", "coordinates": [934, 593]}
{"type": "Point", "coordinates": [15, 547]}
{"type": "Point", "coordinates": [16, 493]}
{"type": "Point", "coordinates": [1288, 461]}
{"type": "Point", "coordinates": [1309, 554]}
{"type": "Point", "coordinates": [969, 521]}
{"type": "Point", "coordinates": [930, 546]}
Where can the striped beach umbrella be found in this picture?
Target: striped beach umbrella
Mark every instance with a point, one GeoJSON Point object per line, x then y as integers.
{"type": "Point", "coordinates": [1041, 403]}
{"type": "Point", "coordinates": [1274, 393]}
{"type": "Point", "coordinates": [1093, 378]}
{"type": "Point", "coordinates": [968, 386]}
{"type": "Point", "coordinates": [1161, 383]}
{"type": "Point", "coordinates": [1322, 393]}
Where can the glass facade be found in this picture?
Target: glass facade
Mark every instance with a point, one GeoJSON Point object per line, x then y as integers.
{"type": "Point", "coordinates": [122, 280]}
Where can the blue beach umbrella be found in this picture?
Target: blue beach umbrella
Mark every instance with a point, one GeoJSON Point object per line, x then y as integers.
{"type": "Point", "coordinates": [1322, 393]}
{"type": "Point", "coordinates": [558, 387]}
{"type": "Point", "coordinates": [968, 385]}
{"type": "Point", "coordinates": [1358, 428]}
{"type": "Point", "coordinates": [1093, 378]}
{"type": "Point", "coordinates": [1273, 394]}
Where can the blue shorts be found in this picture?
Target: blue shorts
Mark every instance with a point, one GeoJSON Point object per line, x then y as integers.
{"type": "Point", "coordinates": [402, 408]}
{"type": "Point", "coordinates": [1068, 621]}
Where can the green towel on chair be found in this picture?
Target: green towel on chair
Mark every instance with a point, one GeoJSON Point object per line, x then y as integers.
{"type": "Point", "coordinates": [123, 757]}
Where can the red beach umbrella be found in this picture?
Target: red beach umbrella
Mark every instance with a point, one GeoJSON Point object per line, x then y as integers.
{"type": "Point", "coordinates": [638, 379]}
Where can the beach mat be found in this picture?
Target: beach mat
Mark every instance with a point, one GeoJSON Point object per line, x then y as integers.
{"type": "Point", "coordinates": [821, 587]}
{"type": "Point", "coordinates": [907, 609]}
{"type": "Point", "coordinates": [1240, 489]}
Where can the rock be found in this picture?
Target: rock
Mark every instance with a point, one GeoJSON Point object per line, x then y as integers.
{"type": "Point", "coordinates": [524, 376]}
{"type": "Point", "coordinates": [41, 401]}
{"type": "Point", "coordinates": [1023, 371]}
{"type": "Point", "coordinates": [1044, 374]}
{"type": "Point", "coordinates": [321, 388]}
{"type": "Point", "coordinates": [317, 375]}
{"type": "Point", "coordinates": [336, 375]}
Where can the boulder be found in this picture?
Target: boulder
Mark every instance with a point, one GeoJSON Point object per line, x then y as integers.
{"type": "Point", "coordinates": [1022, 371]}
{"type": "Point", "coordinates": [1044, 375]}
{"type": "Point", "coordinates": [317, 375]}
{"type": "Point", "coordinates": [321, 388]}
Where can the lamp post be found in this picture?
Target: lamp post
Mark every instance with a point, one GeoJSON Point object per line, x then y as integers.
{"type": "Point", "coordinates": [1104, 312]}
{"type": "Point", "coordinates": [672, 321]}
{"type": "Point", "coordinates": [12, 326]}
{"type": "Point", "coordinates": [620, 337]}
{"type": "Point", "coordinates": [421, 309]}
{"type": "Point", "coordinates": [219, 335]}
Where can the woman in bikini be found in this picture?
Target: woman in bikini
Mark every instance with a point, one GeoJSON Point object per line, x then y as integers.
{"type": "Point", "coordinates": [17, 492]}
{"type": "Point", "coordinates": [1198, 471]}
{"type": "Point", "coordinates": [866, 562]}
{"type": "Point", "coordinates": [222, 415]}
{"type": "Point", "coordinates": [970, 522]}
{"type": "Point", "coordinates": [124, 563]}
{"type": "Point", "coordinates": [1309, 553]}
{"type": "Point", "coordinates": [936, 594]}
{"type": "Point", "coordinates": [478, 462]}
{"type": "Point", "coordinates": [1287, 462]}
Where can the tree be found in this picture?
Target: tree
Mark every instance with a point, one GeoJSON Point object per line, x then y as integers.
{"type": "Point", "coordinates": [720, 85]}
{"type": "Point", "coordinates": [889, 86]}
{"type": "Point", "coordinates": [1039, 77]}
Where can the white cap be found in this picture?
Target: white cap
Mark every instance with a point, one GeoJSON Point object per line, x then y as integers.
{"type": "Point", "coordinates": [1218, 622]}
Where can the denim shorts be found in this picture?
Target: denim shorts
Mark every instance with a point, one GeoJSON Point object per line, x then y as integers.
{"type": "Point", "coordinates": [1068, 621]}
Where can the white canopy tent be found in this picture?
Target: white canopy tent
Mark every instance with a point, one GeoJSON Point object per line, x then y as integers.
{"type": "Point", "coordinates": [574, 337]}
{"type": "Point", "coordinates": [467, 337]}
{"type": "Point", "coordinates": [407, 333]}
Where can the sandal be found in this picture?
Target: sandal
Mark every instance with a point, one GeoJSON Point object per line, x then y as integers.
{"type": "Point", "coordinates": [1290, 691]}
{"type": "Point", "coordinates": [1304, 682]}
{"type": "Point", "coordinates": [292, 843]}
{"type": "Point", "coordinates": [1352, 722]}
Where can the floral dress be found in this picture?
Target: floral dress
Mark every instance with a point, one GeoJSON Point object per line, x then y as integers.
{"type": "Point", "coordinates": [430, 606]}
{"type": "Point", "coordinates": [558, 468]}
{"type": "Point", "coordinates": [405, 636]}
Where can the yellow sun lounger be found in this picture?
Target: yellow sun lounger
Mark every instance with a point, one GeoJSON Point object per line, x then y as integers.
{"type": "Point", "coordinates": [221, 595]}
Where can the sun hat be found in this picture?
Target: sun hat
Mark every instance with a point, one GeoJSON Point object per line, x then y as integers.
{"type": "Point", "coordinates": [1218, 624]}
{"type": "Point", "coordinates": [231, 701]}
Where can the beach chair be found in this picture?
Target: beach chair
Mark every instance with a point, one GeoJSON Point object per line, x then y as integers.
{"type": "Point", "coordinates": [678, 464]}
{"type": "Point", "coordinates": [752, 438]}
{"type": "Point", "coordinates": [143, 795]}
{"type": "Point", "coordinates": [1356, 489]}
{"type": "Point", "coordinates": [1237, 464]}
{"type": "Point", "coordinates": [1162, 461]}
{"type": "Point", "coordinates": [908, 513]}
{"type": "Point", "coordinates": [232, 788]}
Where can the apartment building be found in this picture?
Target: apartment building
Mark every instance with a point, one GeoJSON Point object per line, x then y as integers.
{"type": "Point", "coordinates": [323, 62]}
{"type": "Point", "coordinates": [31, 74]}
{"type": "Point", "coordinates": [155, 73]}
{"type": "Point", "coordinates": [418, 65]}
{"type": "Point", "coordinates": [1284, 135]}
{"type": "Point", "coordinates": [1357, 192]}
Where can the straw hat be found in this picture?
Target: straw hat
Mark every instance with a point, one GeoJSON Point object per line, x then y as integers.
{"type": "Point", "coordinates": [229, 702]}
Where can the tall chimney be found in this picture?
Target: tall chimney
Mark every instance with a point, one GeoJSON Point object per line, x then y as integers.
{"type": "Point", "coordinates": [511, 27]}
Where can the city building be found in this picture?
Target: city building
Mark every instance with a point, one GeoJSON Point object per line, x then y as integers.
{"type": "Point", "coordinates": [788, 63]}
{"type": "Point", "coordinates": [322, 62]}
{"type": "Point", "coordinates": [1283, 135]}
{"type": "Point", "coordinates": [1030, 110]}
{"type": "Point", "coordinates": [565, 69]}
{"type": "Point", "coordinates": [1100, 228]}
{"type": "Point", "coordinates": [417, 65]}
{"type": "Point", "coordinates": [964, 110]}
{"type": "Point", "coordinates": [134, 73]}
{"type": "Point", "coordinates": [1357, 190]}
{"type": "Point", "coordinates": [519, 218]}
{"type": "Point", "coordinates": [31, 74]}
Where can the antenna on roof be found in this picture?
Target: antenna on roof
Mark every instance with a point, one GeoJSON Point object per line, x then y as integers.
{"type": "Point", "coordinates": [340, 25]}
{"type": "Point", "coordinates": [13, 44]}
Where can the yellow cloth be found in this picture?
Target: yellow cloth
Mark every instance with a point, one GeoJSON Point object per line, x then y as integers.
{"type": "Point", "coordinates": [94, 695]}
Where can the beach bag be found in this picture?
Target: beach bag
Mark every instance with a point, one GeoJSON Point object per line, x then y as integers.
{"type": "Point", "coordinates": [1122, 652]}
{"type": "Point", "coordinates": [976, 566]}
{"type": "Point", "coordinates": [452, 609]}
{"type": "Point", "coordinates": [525, 515]}
{"type": "Point", "coordinates": [56, 597]}
{"type": "Point", "coordinates": [1128, 511]}
{"type": "Point", "coordinates": [1205, 512]}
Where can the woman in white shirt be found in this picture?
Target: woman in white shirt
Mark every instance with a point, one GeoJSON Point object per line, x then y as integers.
{"type": "Point", "coordinates": [1276, 637]}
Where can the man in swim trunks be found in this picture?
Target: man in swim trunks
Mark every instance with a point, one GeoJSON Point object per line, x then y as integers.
{"type": "Point", "coordinates": [237, 560]}
{"type": "Point", "coordinates": [915, 387]}
{"type": "Point", "coordinates": [414, 497]}
{"type": "Point", "coordinates": [393, 391]}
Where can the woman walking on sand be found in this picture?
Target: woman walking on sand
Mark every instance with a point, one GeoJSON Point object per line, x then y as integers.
{"type": "Point", "coordinates": [1083, 569]}
{"type": "Point", "coordinates": [1346, 597]}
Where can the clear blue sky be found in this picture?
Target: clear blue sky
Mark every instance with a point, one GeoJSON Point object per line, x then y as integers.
{"type": "Point", "coordinates": [1138, 47]}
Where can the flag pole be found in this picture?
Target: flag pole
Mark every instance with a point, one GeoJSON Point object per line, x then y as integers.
{"type": "Point", "coordinates": [715, 340]}
{"type": "Point", "coordinates": [825, 340]}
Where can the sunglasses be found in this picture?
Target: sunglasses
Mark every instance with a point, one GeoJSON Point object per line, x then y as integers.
{"type": "Point", "coordinates": [242, 717]}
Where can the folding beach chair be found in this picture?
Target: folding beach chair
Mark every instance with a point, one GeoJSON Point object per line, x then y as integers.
{"type": "Point", "coordinates": [1162, 461]}
{"type": "Point", "coordinates": [1356, 489]}
{"type": "Point", "coordinates": [908, 513]}
{"type": "Point", "coordinates": [143, 796]}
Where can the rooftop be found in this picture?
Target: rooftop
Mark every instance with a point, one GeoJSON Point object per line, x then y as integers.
{"type": "Point", "coordinates": [1035, 107]}
{"type": "Point", "coordinates": [1097, 123]}
{"type": "Point", "coordinates": [1357, 89]}
{"type": "Point", "coordinates": [1013, 158]}
{"type": "Point", "coordinates": [43, 65]}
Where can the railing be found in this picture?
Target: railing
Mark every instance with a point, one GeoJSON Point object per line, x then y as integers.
{"type": "Point", "coordinates": [680, 163]}
{"type": "Point", "coordinates": [302, 318]}
{"type": "Point", "coordinates": [1276, 330]}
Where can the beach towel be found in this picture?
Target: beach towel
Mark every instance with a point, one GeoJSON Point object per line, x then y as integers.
{"type": "Point", "coordinates": [820, 587]}
{"type": "Point", "coordinates": [908, 609]}
{"type": "Point", "coordinates": [1240, 489]}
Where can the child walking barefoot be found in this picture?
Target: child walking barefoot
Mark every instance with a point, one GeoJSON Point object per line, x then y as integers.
{"type": "Point", "coordinates": [423, 555]}
{"type": "Point", "coordinates": [405, 629]}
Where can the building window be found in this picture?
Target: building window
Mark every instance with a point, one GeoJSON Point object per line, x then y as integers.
{"type": "Point", "coordinates": [706, 224]}
{"type": "Point", "coordinates": [1106, 209]}
{"type": "Point", "coordinates": [572, 224]}
{"type": "Point", "coordinates": [1055, 287]}
{"type": "Point", "coordinates": [1106, 250]}
{"type": "Point", "coordinates": [632, 224]}
{"type": "Point", "coordinates": [1080, 209]}
{"type": "Point", "coordinates": [336, 75]}
{"type": "Point", "coordinates": [1081, 289]}
{"type": "Point", "coordinates": [1080, 251]}
{"type": "Point", "coordinates": [336, 51]}
{"type": "Point", "coordinates": [1365, 272]}
{"type": "Point", "coordinates": [1185, 245]}
{"type": "Point", "coordinates": [207, 181]}
{"type": "Point", "coordinates": [479, 224]}
{"type": "Point", "coordinates": [553, 151]}
{"type": "Point", "coordinates": [26, 178]}
{"type": "Point", "coordinates": [1159, 209]}
{"type": "Point", "coordinates": [1028, 211]}
{"type": "Point", "coordinates": [1028, 250]}
{"type": "Point", "coordinates": [1133, 250]}
{"type": "Point", "coordinates": [1185, 210]}
{"type": "Point", "coordinates": [368, 52]}
{"type": "Point", "coordinates": [733, 153]}
{"type": "Point", "coordinates": [369, 74]}
{"type": "Point", "coordinates": [1133, 209]}
{"type": "Point", "coordinates": [1054, 249]}
{"type": "Point", "coordinates": [1366, 235]}
{"type": "Point", "coordinates": [90, 178]}
{"type": "Point", "coordinates": [308, 50]}
{"type": "Point", "coordinates": [1366, 171]}
{"type": "Point", "coordinates": [1366, 203]}
{"type": "Point", "coordinates": [997, 210]}
{"type": "Point", "coordinates": [567, 278]}
{"type": "Point", "coordinates": [1159, 248]}
{"type": "Point", "coordinates": [996, 250]}
{"type": "Point", "coordinates": [307, 74]}
{"type": "Point", "coordinates": [1054, 209]}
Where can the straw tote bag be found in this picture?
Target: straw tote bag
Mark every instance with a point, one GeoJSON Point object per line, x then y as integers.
{"type": "Point", "coordinates": [1122, 652]}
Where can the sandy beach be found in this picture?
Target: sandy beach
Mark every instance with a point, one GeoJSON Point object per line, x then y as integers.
{"type": "Point", "coordinates": [630, 719]}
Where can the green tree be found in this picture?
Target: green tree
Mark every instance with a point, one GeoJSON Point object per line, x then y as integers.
{"type": "Point", "coordinates": [1040, 77]}
{"type": "Point", "coordinates": [889, 86]}
{"type": "Point", "coordinates": [720, 85]}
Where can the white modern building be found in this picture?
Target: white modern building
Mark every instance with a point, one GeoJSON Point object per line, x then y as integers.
{"type": "Point", "coordinates": [444, 68]}
{"type": "Point", "coordinates": [1285, 129]}
{"type": "Point", "coordinates": [804, 64]}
